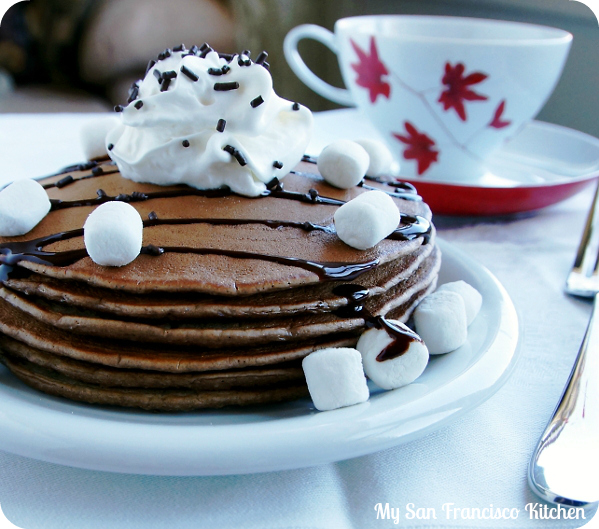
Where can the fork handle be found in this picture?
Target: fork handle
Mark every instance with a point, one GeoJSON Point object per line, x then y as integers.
{"type": "Point", "coordinates": [578, 403]}
{"type": "Point", "coordinates": [571, 433]}
{"type": "Point", "coordinates": [582, 391]}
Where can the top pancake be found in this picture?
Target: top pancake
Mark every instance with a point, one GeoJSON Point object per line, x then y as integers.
{"type": "Point", "coordinates": [212, 272]}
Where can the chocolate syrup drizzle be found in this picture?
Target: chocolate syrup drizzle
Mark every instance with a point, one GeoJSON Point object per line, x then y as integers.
{"type": "Point", "coordinates": [401, 336]}
{"type": "Point", "coordinates": [12, 253]}
{"type": "Point", "coordinates": [33, 251]}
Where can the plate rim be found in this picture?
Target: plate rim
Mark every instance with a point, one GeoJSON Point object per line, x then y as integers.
{"type": "Point", "coordinates": [343, 434]}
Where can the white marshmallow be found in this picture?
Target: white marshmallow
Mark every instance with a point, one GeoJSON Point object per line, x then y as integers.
{"type": "Point", "coordinates": [343, 163]}
{"type": "Point", "coordinates": [440, 320]}
{"type": "Point", "coordinates": [393, 372]}
{"type": "Point", "coordinates": [93, 136]}
{"type": "Point", "coordinates": [472, 298]}
{"type": "Point", "coordinates": [113, 234]}
{"type": "Point", "coordinates": [367, 219]}
{"type": "Point", "coordinates": [381, 159]}
{"type": "Point", "coordinates": [335, 378]}
{"type": "Point", "coordinates": [23, 204]}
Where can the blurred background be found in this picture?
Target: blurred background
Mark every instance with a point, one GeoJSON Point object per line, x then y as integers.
{"type": "Point", "coordinates": [82, 55]}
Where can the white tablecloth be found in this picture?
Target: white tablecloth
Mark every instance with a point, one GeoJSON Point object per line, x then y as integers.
{"type": "Point", "coordinates": [479, 460]}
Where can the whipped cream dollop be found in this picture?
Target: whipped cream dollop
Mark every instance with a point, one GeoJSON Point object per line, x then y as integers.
{"type": "Point", "coordinates": [208, 121]}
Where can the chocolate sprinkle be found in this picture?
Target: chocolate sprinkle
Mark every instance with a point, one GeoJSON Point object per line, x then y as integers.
{"type": "Point", "coordinates": [153, 250]}
{"type": "Point", "coordinates": [277, 164]}
{"type": "Point", "coordinates": [220, 126]}
{"type": "Point", "coordinates": [165, 54]}
{"type": "Point", "coordinates": [153, 215]}
{"type": "Point", "coordinates": [165, 79]}
{"type": "Point", "coordinates": [97, 171]}
{"type": "Point", "coordinates": [150, 65]}
{"type": "Point", "coordinates": [187, 72]}
{"type": "Point", "coordinates": [118, 108]}
{"type": "Point", "coordinates": [180, 47]}
{"type": "Point", "coordinates": [227, 56]}
{"type": "Point", "coordinates": [244, 58]}
{"type": "Point", "coordinates": [275, 183]}
{"type": "Point", "coordinates": [65, 181]}
{"type": "Point", "coordinates": [139, 104]}
{"type": "Point", "coordinates": [205, 52]}
{"type": "Point", "coordinates": [165, 84]}
{"type": "Point", "coordinates": [236, 154]}
{"type": "Point", "coordinates": [262, 57]}
{"type": "Point", "coordinates": [110, 146]}
{"type": "Point", "coordinates": [133, 92]}
{"type": "Point", "coordinates": [185, 143]}
{"type": "Point", "coordinates": [295, 106]}
{"type": "Point", "coordinates": [215, 71]}
{"type": "Point", "coordinates": [223, 87]}
{"type": "Point", "coordinates": [256, 102]}
{"type": "Point", "coordinates": [77, 167]}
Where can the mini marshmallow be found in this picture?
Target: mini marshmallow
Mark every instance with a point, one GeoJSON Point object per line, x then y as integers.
{"type": "Point", "coordinates": [93, 136]}
{"type": "Point", "coordinates": [393, 372]}
{"type": "Point", "coordinates": [335, 378]}
{"type": "Point", "coordinates": [113, 234]}
{"type": "Point", "coordinates": [381, 159]}
{"type": "Point", "coordinates": [23, 204]}
{"type": "Point", "coordinates": [441, 321]}
{"type": "Point", "coordinates": [343, 163]}
{"type": "Point", "coordinates": [366, 220]}
{"type": "Point", "coordinates": [472, 298]}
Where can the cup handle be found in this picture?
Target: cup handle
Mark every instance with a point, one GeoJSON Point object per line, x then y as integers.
{"type": "Point", "coordinates": [341, 96]}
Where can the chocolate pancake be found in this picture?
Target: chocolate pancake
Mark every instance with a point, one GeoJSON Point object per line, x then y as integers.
{"type": "Point", "coordinates": [170, 400]}
{"type": "Point", "coordinates": [227, 296]}
{"type": "Point", "coordinates": [214, 242]}
{"type": "Point", "coordinates": [167, 358]}
{"type": "Point", "coordinates": [184, 305]}
{"type": "Point", "coordinates": [87, 372]}
{"type": "Point", "coordinates": [216, 332]}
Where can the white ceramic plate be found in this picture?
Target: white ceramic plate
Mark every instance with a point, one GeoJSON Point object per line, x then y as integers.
{"type": "Point", "coordinates": [277, 437]}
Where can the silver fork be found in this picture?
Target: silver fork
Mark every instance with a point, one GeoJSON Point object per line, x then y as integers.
{"type": "Point", "coordinates": [564, 468]}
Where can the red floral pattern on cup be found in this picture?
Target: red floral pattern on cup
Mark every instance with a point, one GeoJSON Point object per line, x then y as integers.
{"type": "Point", "coordinates": [498, 122]}
{"type": "Point", "coordinates": [370, 71]}
{"type": "Point", "coordinates": [419, 147]}
{"type": "Point", "coordinates": [459, 88]}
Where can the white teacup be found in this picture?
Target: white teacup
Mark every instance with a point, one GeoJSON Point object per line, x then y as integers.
{"type": "Point", "coordinates": [445, 92]}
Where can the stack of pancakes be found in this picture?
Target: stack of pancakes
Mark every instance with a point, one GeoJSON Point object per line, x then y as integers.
{"type": "Point", "coordinates": [226, 298]}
